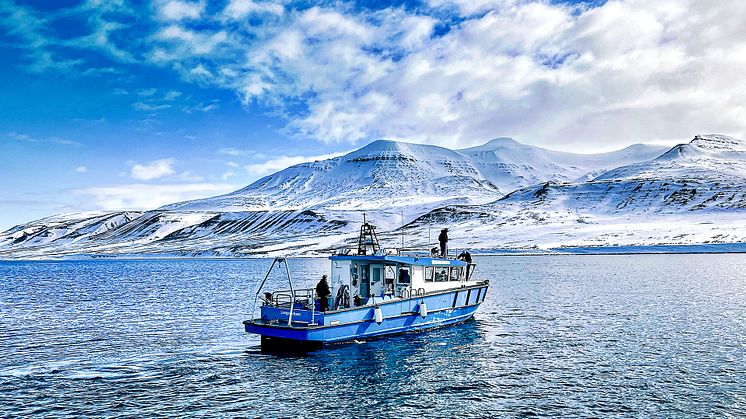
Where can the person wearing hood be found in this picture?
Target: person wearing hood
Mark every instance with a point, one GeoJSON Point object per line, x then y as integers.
{"type": "Point", "coordinates": [443, 239]}
{"type": "Point", "coordinates": [322, 290]}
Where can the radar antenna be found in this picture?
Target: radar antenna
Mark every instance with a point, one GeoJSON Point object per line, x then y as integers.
{"type": "Point", "coordinates": [367, 242]}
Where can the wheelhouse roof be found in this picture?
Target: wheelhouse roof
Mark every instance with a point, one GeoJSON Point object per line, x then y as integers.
{"type": "Point", "coordinates": [408, 260]}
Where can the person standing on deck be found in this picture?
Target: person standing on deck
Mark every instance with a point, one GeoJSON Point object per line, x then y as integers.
{"type": "Point", "coordinates": [466, 257]}
{"type": "Point", "coordinates": [443, 239]}
{"type": "Point", "coordinates": [322, 290]}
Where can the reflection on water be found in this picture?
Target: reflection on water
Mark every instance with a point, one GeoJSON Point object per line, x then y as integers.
{"type": "Point", "coordinates": [561, 335]}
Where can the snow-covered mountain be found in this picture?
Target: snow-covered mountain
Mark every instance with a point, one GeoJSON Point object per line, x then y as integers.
{"type": "Point", "coordinates": [389, 174]}
{"type": "Point", "coordinates": [500, 194]}
{"type": "Point", "coordinates": [383, 174]}
{"type": "Point", "coordinates": [707, 173]}
{"type": "Point", "coordinates": [693, 193]}
{"type": "Point", "coordinates": [511, 165]}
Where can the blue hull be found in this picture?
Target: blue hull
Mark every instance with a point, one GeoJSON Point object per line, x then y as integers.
{"type": "Point", "coordinates": [399, 316]}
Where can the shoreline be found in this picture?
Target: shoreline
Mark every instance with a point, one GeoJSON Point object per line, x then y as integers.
{"type": "Point", "coordinates": [709, 248]}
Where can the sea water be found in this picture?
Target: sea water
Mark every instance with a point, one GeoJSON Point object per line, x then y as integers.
{"type": "Point", "coordinates": [650, 335]}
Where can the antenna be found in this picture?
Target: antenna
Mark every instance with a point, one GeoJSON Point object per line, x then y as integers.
{"type": "Point", "coordinates": [401, 249]}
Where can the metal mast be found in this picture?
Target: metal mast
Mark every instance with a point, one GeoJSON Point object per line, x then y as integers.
{"type": "Point", "coordinates": [367, 239]}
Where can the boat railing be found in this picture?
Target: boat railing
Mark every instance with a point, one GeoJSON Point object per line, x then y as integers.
{"type": "Point", "coordinates": [283, 298]}
{"type": "Point", "coordinates": [290, 297]}
{"type": "Point", "coordinates": [470, 267]}
{"type": "Point", "coordinates": [302, 299]}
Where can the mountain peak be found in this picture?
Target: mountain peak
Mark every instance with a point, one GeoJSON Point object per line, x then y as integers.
{"type": "Point", "coordinates": [382, 147]}
{"type": "Point", "coordinates": [496, 143]}
{"type": "Point", "coordinates": [501, 141]}
{"type": "Point", "coordinates": [717, 142]}
{"type": "Point", "coordinates": [386, 149]}
{"type": "Point", "coordinates": [705, 145]}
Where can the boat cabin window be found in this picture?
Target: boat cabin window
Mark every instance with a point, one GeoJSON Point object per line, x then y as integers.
{"type": "Point", "coordinates": [456, 273]}
{"type": "Point", "coordinates": [404, 276]}
{"type": "Point", "coordinates": [428, 274]}
{"type": "Point", "coordinates": [441, 274]}
{"type": "Point", "coordinates": [389, 277]}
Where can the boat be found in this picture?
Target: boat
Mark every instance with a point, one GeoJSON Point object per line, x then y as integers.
{"type": "Point", "coordinates": [373, 293]}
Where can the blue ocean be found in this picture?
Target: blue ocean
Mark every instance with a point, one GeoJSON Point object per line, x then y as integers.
{"type": "Point", "coordinates": [591, 336]}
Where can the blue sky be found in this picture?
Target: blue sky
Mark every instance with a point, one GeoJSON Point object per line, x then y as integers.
{"type": "Point", "coordinates": [132, 105]}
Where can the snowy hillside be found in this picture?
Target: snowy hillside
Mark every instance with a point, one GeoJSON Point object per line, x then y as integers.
{"type": "Point", "coordinates": [383, 174]}
{"type": "Point", "coordinates": [321, 201]}
{"type": "Point", "coordinates": [390, 174]}
{"type": "Point", "coordinates": [511, 165]}
{"type": "Point", "coordinates": [706, 174]}
{"type": "Point", "coordinates": [705, 158]}
{"type": "Point", "coordinates": [641, 195]}
{"type": "Point", "coordinates": [694, 193]}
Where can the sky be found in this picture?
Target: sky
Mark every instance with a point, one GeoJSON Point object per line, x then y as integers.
{"type": "Point", "coordinates": [132, 105]}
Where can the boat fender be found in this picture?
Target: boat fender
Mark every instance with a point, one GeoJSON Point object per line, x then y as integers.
{"type": "Point", "coordinates": [379, 315]}
{"type": "Point", "coordinates": [423, 309]}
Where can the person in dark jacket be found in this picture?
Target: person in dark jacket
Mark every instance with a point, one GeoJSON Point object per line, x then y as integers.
{"type": "Point", "coordinates": [466, 257]}
{"type": "Point", "coordinates": [322, 290]}
{"type": "Point", "coordinates": [443, 239]}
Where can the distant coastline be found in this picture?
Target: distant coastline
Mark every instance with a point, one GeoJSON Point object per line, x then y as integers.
{"type": "Point", "coordinates": [688, 199]}
{"type": "Point", "coordinates": [708, 248]}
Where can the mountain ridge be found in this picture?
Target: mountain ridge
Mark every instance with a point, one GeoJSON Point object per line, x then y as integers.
{"type": "Point", "coordinates": [393, 167]}
{"type": "Point", "coordinates": [559, 199]}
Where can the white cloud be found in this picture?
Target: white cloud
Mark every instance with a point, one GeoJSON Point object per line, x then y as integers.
{"type": "Point", "coordinates": [237, 9]}
{"type": "Point", "coordinates": [283, 162]}
{"type": "Point", "coordinates": [549, 73]}
{"type": "Point", "coordinates": [470, 7]}
{"type": "Point", "coordinates": [201, 107]}
{"type": "Point", "coordinates": [147, 92]}
{"type": "Point", "coordinates": [143, 196]}
{"type": "Point", "coordinates": [81, 169]}
{"type": "Point", "coordinates": [208, 108]}
{"type": "Point", "coordinates": [149, 107]}
{"type": "Point", "coordinates": [17, 136]}
{"type": "Point", "coordinates": [188, 41]}
{"type": "Point", "coordinates": [25, 138]}
{"type": "Point", "coordinates": [178, 10]}
{"type": "Point", "coordinates": [63, 141]}
{"type": "Point", "coordinates": [232, 151]}
{"type": "Point", "coordinates": [171, 95]}
{"type": "Point", "coordinates": [153, 170]}
{"type": "Point", "coordinates": [200, 72]}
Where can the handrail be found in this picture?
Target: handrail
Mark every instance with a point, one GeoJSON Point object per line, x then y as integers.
{"type": "Point", "coordinates": [261, 285]}
{"type": "Point", "coordinates": [290, 298]}
{"type": "Point", "coordinates": [407, 293]}
{"type": "Point", "coordinates": [287, 296]}
{"type": "Point", "coordinates": [290, 281]}
{"type": "Point", "coordinates": [470, 268]}
{"type": "Point", "coordinates": [278, 261]}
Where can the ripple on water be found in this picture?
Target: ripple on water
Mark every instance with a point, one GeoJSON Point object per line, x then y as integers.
{"type": "Point", "coordinates": [651, 335]}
